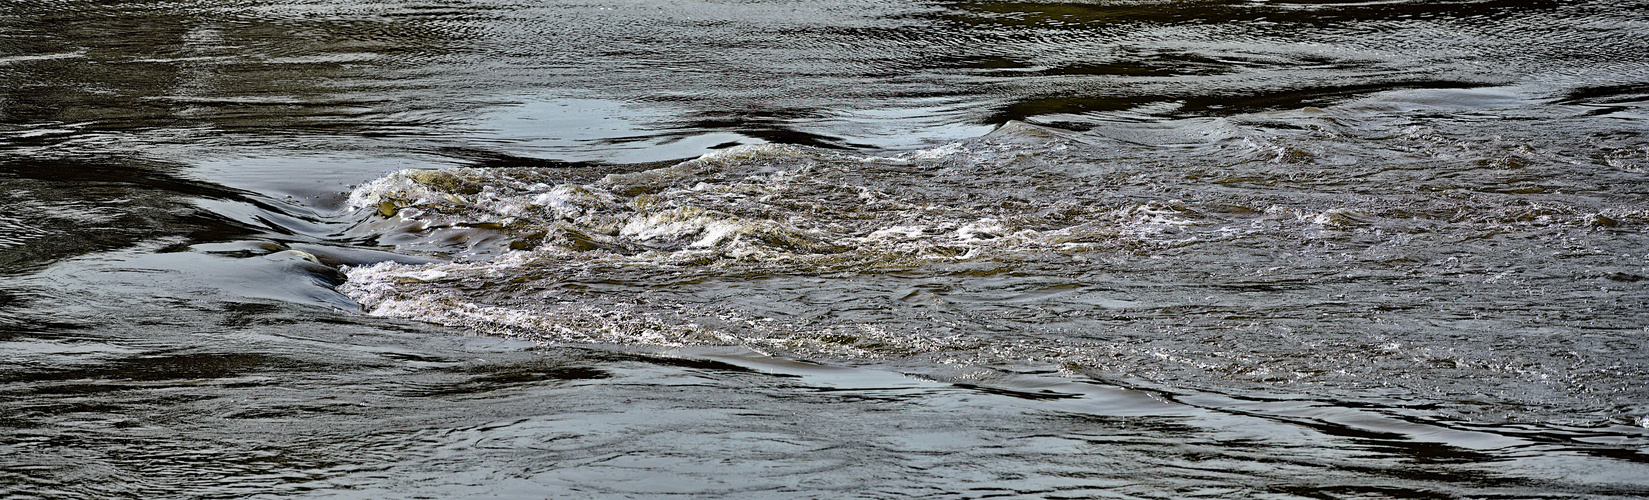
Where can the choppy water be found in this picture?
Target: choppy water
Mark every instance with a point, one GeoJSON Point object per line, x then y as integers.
{"type": "Point", "coordinates": [447, 249]}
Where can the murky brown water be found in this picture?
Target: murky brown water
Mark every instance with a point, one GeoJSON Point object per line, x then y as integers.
{"type": "Point", "coordinates": [506, 249]}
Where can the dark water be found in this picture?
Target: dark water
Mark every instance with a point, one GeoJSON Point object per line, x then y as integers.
{"type": "Point", "coordinates": [508, 249]}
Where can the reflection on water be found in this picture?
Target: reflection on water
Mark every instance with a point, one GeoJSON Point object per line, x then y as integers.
{"type": "Point", "coordinates": [415, 248]}
{"type": "Point", "coordinates": [411, 74]}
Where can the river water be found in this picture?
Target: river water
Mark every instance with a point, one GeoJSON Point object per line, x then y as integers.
{"type": "Point", "coordinates": [834, 248]}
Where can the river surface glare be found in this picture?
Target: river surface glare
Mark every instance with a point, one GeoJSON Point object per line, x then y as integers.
{"type": "Point", "coordinates": [824, 249]}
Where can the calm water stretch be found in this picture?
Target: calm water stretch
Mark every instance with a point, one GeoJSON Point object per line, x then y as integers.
{"type": "Point", "coordinates": [824, 249]}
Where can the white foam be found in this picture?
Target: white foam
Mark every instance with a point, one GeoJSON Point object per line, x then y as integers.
{"type": "Point", "coordinates": [982, 230]}
{"type": "Point", "coordinates": [897, 232]}
{"type": "Point", "coordinates": [401, 186]}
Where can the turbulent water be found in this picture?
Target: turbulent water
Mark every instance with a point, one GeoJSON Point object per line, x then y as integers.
{"type": "Point", "coordinates": [784, 249]}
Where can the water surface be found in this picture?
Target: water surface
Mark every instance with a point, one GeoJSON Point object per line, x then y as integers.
{"type": "Point", "coordinates": [822, 249]}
